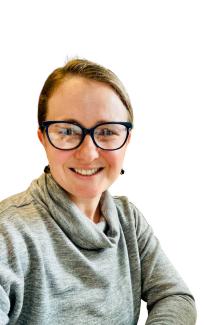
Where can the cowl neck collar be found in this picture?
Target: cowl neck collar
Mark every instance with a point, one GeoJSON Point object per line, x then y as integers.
{"type": "Point", "coordinates": [73, 222]}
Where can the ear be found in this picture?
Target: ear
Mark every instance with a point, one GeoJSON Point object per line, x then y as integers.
{"type": "Point", "coordinates": [129, 137]}
{"type": "Point", "coordinates": [41, 137]}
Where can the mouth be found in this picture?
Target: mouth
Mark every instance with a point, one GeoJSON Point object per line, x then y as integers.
{"type": "Point", "coordinates": [86, 172]}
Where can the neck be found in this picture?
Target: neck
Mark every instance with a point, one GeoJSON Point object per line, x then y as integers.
{"type": "Point", "coordinates": [90, 207]}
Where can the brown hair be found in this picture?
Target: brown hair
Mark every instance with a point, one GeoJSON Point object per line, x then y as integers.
{"type": "Point", "coordinates": [86, 69]}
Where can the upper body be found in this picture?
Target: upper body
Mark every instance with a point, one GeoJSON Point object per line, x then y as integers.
{"type": "Point", "coordinates": [58, 267]}
{"type": "Point", "coordinates": [70, 253]}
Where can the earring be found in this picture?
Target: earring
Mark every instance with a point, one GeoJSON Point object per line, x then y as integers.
{"type": "Point", "coordinates": [47, 169]}
{"type": "Point", "coordinates": [122, 172]}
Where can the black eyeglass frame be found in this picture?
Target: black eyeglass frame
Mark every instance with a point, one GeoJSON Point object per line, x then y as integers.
{"type": "Point", "coordinates": [45, 125]}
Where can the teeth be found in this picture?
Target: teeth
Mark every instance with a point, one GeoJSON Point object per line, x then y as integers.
{"type": "Point", "coordinates": [86, 171]}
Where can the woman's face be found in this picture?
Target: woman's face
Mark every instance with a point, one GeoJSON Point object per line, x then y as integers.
{"type": "Point", "coordinates": [88, 103]}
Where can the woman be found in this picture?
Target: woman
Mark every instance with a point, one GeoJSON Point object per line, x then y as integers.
{"type": "Point", "coordinates": [70, 252]}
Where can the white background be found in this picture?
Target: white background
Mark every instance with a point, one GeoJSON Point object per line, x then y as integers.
{"type": "Point", "coordinates": [157, 50]}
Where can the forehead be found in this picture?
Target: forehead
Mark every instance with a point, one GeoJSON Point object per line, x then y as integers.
{"type": "Point", "coordinates": [80, 98]}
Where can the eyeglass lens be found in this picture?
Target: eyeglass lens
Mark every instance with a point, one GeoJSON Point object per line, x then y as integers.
{"type": "Point", "coordinates": [68, 135]}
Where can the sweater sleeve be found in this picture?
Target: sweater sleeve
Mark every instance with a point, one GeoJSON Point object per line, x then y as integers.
{"type": "Point", "coordinates": [11, 277]}
{"type": "Point", "coordinates": [169, 301]}
{"type": "Point", "coordinates": [4, 298]}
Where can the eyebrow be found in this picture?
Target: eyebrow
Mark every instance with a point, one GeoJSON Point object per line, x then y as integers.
{"type": "Point", "coordinates": [77, 122]}
{"type": "Point", "coordinates": [70, 120]}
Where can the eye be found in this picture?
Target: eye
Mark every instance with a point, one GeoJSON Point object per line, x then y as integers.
{"type": "Point", "coordinates": [67, 131]}
{"type": "Point", "coordinates": [64, 130]}
{"type": "Point", "coordinates": [106, 132]}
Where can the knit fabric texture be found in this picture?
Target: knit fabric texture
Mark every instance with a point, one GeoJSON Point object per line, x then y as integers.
{"type": "Point", "coordinates": [58, 267]}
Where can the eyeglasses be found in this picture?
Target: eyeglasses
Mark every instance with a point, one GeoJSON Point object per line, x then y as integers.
{"type": "Point", "coordinates": [65, 135]}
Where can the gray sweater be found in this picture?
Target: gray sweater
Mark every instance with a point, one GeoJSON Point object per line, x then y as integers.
{"type": "Point", "coordinates": [58, 267]}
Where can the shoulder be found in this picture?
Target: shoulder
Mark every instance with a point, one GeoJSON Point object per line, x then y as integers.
{"type": "Point", "coordinates": [22, 201]}
{"type": "Point", "coordinates": [21, 221]}
{"type": "Point", "coordinates": [14, 202]}
{"type": "Point", "coordinates": [18, 210]}
{"type": "Point", "coordinates": [15, 230]}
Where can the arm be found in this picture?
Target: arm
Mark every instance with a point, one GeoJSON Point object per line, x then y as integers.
{"type": "Point", "coordinates": [168, 299]}
{"type": "Point", "coordinates": [11, 279]}
{"type": "Point", "coordinates": [4, 301]}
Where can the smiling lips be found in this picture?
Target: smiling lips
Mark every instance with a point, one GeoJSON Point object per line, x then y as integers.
{"type": "Point", "coordinates": [86, 172]}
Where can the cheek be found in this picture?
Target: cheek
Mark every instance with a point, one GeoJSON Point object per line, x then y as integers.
{"type": "Point", "coordinates": [57, 157]}
{"type": "Point", "coordinates": [115, 159]}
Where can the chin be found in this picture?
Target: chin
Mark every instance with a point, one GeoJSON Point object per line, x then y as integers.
{"type": "Point", "coordinates": [85, 193]}
{"type": "Point", "coordinates": [88, 195]}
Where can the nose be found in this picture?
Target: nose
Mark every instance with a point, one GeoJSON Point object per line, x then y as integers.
{"type": "Point", "coordinates": [87, 151]}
